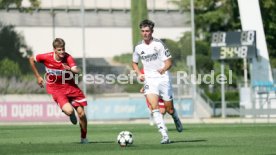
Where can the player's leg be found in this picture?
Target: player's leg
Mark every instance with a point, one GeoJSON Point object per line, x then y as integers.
{"type": "Point", "coordinates": [153, 101]}
{"type": "Point", "coordinates": [78, 102]}
{"type": "Point", "coordinates": [167, 96]}
{"type": "Point", "coordinates": [162, 108]}
{"type": "Point", "coordinates": [65, 106]}
{"type": "Point", "coordinates": [69, 111]}
{"type": "Point", "coordinates": [150, 113]}
{"type": "Point", "coordinates": [171, 110]}
{"type": "Point", "coordinates": [158, 117]}
{"type": "Point", "coordinates": [151, 121]}
{"type": "Point", "coordinates": [83, 123]}
{"type": "Point", "coordinates": [151, 89]}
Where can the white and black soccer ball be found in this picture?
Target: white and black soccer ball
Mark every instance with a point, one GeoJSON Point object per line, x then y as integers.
{"type": "Point", "coordinates": [125, 138]}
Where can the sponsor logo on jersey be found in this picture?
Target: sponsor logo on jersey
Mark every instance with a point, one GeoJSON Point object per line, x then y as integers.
{"type": "Point", "coordinates": [150, 57]}
{"type": "Point", "coordinates": [53, 71]}
{"type": "Point", "coordinates": [142, 52]}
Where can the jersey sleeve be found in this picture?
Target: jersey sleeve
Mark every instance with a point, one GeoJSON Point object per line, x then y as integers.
{"type": "Point", "coordinates": [165, 53]}
{"type": "Point", "coordinates": [70, 61]}
{"type": "Point", "coordinates": [135, 56]}
{"type": "Point", "coordinates": [40, 57]}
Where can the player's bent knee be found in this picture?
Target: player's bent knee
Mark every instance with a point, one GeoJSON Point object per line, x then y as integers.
{"type": "Point", "coordinates": [162, 111]}
{"type": "Point", "coordinates": [68, 112]}
{"type": "Point", "coordinates": [170, 111]}
{"type": "Point", "coordinates": [67, 109]}
{"type": "Point", "coordinates": [81, 115]}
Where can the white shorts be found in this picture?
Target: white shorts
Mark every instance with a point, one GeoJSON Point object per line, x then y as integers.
{"type": "Point", "coordinates": [159, 86]}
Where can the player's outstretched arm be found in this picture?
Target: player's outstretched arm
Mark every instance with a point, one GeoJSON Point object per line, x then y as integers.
{"type": "Point", "coordinates": [37, 75]}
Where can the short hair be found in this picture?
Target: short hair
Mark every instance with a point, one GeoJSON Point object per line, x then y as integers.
{"type": "Point", "coordinates": [147, 23]}
{"type": "Point", "coordinates": [58, 42]}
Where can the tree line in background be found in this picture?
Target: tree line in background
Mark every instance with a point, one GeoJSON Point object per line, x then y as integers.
{"type": "Point", "coordinates": [18, 4]}
{"type": "Point", "coordinates": [223, 15]}
{"type": "Point", "coordinates": [14, 51]}
{"type": "Point", "coordinates": [14, 67]}
{"type": "Point", "coordinates": [268, 10]}
{"type": "Point", "coordinates": [138, 13]}
{"type": "Point", "coordinates": [210, 16]}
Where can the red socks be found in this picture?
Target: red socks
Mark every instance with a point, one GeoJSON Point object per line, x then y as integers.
{"type": "Point", "coordinates": [83, 133]}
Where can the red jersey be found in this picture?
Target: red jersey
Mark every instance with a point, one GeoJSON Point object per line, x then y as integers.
{"type": "Point", "coordinates": [54, 70]}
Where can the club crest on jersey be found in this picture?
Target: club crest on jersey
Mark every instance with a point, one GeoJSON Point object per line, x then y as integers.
{"type": "Point", "coordinates": [142, 52]}
{"type": "Point", "coordinates": [155, 49]}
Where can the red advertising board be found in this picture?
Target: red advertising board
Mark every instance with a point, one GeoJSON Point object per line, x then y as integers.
{"type": "Point", "coordinates": [30, 111]}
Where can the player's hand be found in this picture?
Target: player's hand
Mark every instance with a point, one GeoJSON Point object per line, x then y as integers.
{"type": "Point", "coordinates": [40, 81]}
{"type": "Point", "coordinates": [161, 71]}
{"type": "Point", "coordinates": [141, 77]}
{"type": "Point", "coordinates": [66, 67]}
{"type": "Point", "coordinates": [142, 90]}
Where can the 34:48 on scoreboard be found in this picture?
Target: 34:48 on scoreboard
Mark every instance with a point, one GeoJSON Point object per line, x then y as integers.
{"type": "Point", "coordinates": [233, 45]}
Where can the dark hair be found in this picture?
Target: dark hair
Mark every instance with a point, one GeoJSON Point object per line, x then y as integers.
{"type": "Point", "coordinates": [58, 42]}
{"type": "Point", "coordinates": [147, 23]}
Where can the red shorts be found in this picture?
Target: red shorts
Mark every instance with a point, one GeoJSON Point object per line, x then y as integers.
{"type": "Point", "coordinates": [160, 103]}
{"type": "Point", "coordinates": [69, 94]}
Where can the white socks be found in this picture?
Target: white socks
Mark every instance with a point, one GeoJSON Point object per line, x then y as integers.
{"type": "Point", "coordinates": [158, 118]}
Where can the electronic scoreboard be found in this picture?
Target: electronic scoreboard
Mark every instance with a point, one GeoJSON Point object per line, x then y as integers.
{"type": "Point", "coordinates": [233, 45]}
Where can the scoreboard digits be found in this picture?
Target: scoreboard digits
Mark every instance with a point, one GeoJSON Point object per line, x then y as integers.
{"type": "Point", "coordinates": [233, 45]}
{"type": "Point", "coordinates": [218, 39]}
{"type": "Point", "coordinates": [233, 52]}
{"type": "Point", "coordinates": [247, 37]}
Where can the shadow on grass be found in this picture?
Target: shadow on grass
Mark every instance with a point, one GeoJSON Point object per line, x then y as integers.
{"type": "Point", "coordinates": [189, 141]}
{"type": "Point", "coordinates": [174, 129]}
{"type": "Point", "coordinates": [97, 142]}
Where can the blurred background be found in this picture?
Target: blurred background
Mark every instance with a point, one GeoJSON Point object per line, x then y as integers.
{"type": "Point", "coordinates": [101, 34]}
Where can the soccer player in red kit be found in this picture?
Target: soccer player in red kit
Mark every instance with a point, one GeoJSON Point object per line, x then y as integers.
{"type": "Point", "coordinates": [60, 68]}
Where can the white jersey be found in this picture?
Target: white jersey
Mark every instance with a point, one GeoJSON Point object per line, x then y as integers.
{"type": "Point", "coordinates": [152, 57]}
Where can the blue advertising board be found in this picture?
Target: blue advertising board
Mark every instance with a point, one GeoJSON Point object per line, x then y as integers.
{"type": "Point", "coordinates": [115, 108]}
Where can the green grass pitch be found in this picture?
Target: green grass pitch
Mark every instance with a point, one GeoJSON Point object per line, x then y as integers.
{"type": "Point", "coordinates": [196, 139]}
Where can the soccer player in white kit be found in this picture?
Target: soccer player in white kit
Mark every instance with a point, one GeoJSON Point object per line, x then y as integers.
{"type": "Point", "coordinates": [156, 60]}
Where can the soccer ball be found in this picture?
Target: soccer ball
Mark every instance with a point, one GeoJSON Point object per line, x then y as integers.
{"type": "Point", "coordinates": [125, 138]}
